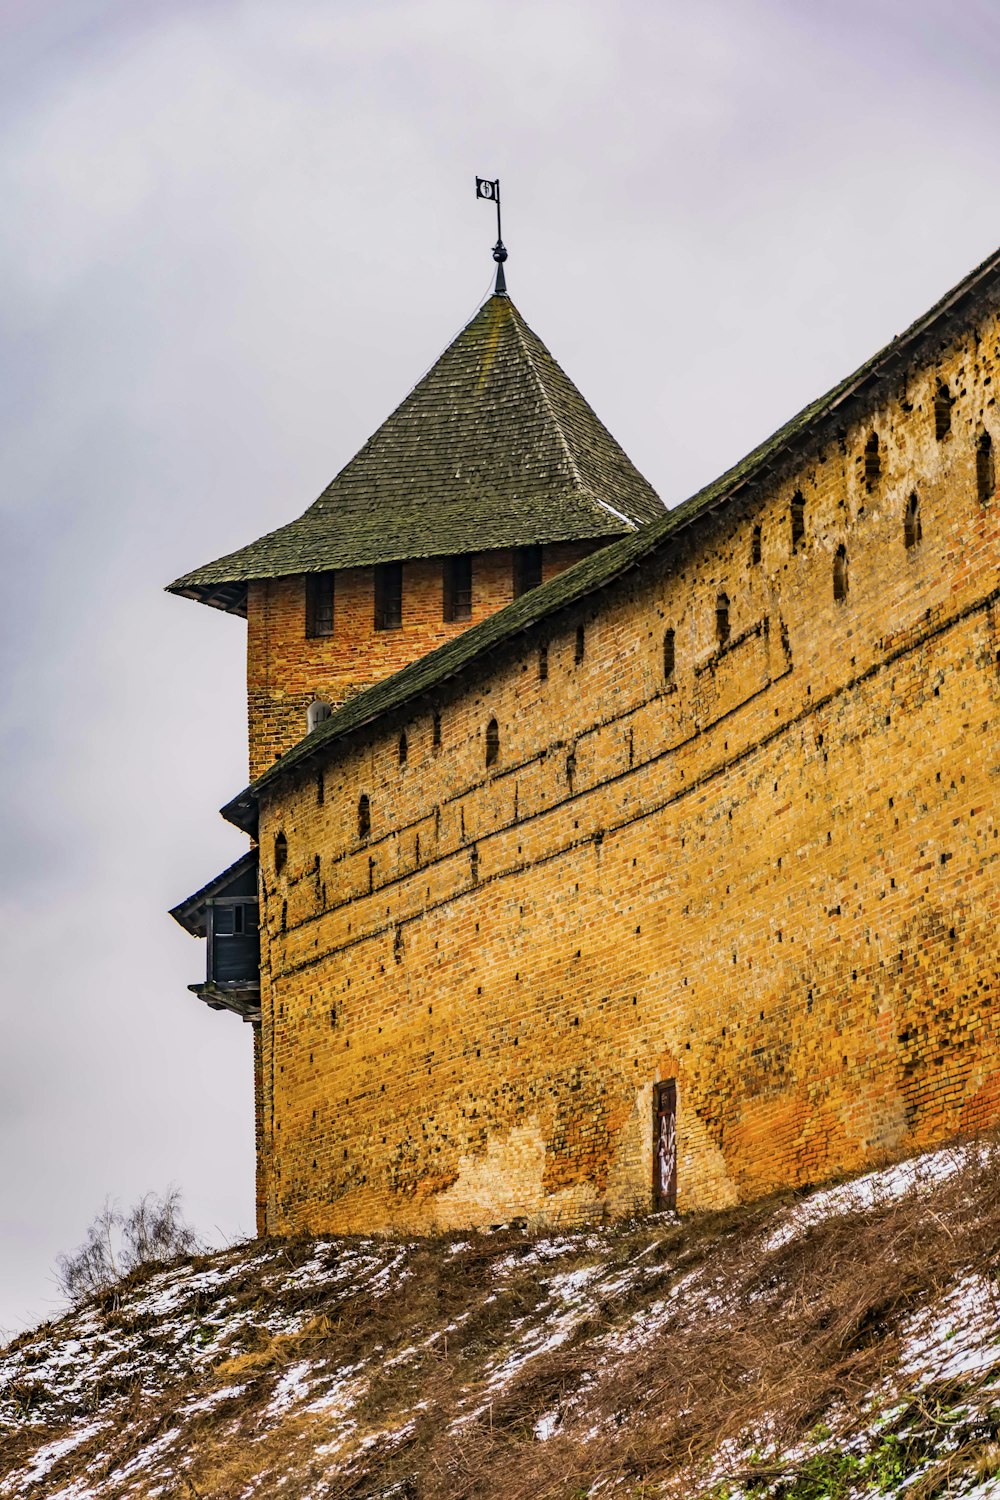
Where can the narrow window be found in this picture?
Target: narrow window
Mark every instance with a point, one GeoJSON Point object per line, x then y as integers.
{"type": "Point", "coordinates": [458, 588]}
{"type": "Point", "coordinates": [722, 619]}
{"type": "Point", "coordinates": [364, 816]}
{"type": "Point", "coordinates": [280, 853]}
{"type": "Point", "coordinates": [840, 574]}
{"type": "Point", "coordinates": [436, 731]}
{"type": "Point", "coordinates": [756, 549]}
{"type": "Point", "coordinates": [527, 569]}
{"type": "Point", "coordinates": [665, 1145]}
{"type": "Point", "coordinates": [873, 462]}
{"type": "Point", "coordinates": [404, 748]}
{"type": "Point", "coordinates": [319, 604]}
{"type": "Point", "coordinates": [389, 596]}
{"type": "Point", "coordinates": [943, 403]}
{"type": "Point", "coordinates": [581, 645]}
{"type": "Point", "coordinates": [317, 713]}
{"type": "Point", "coordinates": [320, 789]}
{"type": "Point", "coordinates": [985, 473]}
{"type": "Point", "coordinates": [798, 521]}
{"type": "Point", "coordinates": [912, 530]}
{"type": "Point", "coordinates": [543, 661]}
{"type": "Point", "coordinates": [669, 655]}
{"type": "Point", "coordinates": [492, 742]}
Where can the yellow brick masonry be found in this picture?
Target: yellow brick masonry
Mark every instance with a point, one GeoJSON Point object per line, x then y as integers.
{"type": "Point", "coordinates": [286, 670]}
{"type": "Point", "coordinates": [771, 877]}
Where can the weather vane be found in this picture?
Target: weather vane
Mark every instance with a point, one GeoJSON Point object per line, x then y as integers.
{"type": "Point", "coordinates": [491, 190]}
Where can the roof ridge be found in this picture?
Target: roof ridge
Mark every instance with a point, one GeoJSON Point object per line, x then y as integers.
{"type": "Point", "coordinates": [516, 319]}
{"type": "Point", "coordinates": [550, 407]}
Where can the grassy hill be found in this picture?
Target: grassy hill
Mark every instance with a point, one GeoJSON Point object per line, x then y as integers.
{"type": "Point", "coordinates": [842, 1343]}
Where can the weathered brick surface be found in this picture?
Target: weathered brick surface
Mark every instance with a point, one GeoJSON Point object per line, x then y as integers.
{"type": "Point", "coordinates": [286, 671]}
{"type": "Point", "coordinates": [771, 877]}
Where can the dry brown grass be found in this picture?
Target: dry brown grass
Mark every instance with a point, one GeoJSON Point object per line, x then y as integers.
{"type": "Point", "coordinates": [769, 1340]}
{"type": "Point", "coordinates": [800, 1330]}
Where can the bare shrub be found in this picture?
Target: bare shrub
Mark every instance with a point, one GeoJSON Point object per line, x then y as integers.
{"type": "Point", "coordinates": [152, 1230]}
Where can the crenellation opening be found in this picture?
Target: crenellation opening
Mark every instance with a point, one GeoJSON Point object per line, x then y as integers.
{"type": "Point", "coordinates": [912, 529]}
{"type": "Point", "coordinates": [943, 403]}
{"type": "Point", "coordinates": [985, 468]}
{"type": "Point", "coordinates": [722, 625]}
{"type": "Point", "coordinates": [873, 463]}
{"type": "Point", "coordinates": [840, 574]}
{"type": "Point", "coordinates": [669, 654]}
{"type": "Point", "coordinates": [798, 520]}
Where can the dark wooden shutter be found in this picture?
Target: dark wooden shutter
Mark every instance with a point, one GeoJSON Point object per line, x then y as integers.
{"type": "Point", "coordinates": [235, 943]}
{"type": "Point", "coordinates": [527, 569]}
{"type": "Point", "coordinates": [319, 603]}
{"type": "Point", "coordinates": [458, 587]}
{"type": "Point", "coordinates": [389, 596]}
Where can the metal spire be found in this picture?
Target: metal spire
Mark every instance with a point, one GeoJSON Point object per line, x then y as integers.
{"type": "Point", "coordinates": [485, 188]}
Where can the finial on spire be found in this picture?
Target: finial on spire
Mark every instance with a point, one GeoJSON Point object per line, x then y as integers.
{"type": "Point", "coordinates": [485, 188]}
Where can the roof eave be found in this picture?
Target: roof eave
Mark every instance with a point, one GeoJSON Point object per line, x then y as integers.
{"type": "Point", "coordinates": [189, 913]}
{"type": "Point", "coordinates": [242, 813]}
{"type": "Point", "coordinates": [230, 596]}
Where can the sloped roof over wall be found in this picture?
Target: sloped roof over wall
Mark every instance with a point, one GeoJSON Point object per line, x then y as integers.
{"type": "Point", "coordinates": [495, 447]}
{"type": "Point", "coordinates": [808, 430]}
{"type": "Point", "coordinates": [239, 879]}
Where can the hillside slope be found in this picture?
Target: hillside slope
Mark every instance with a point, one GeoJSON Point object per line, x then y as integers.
{"type": "Point", "coordinates": [846, 1343]}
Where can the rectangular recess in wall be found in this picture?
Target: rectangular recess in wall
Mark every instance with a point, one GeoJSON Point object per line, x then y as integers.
{"type": "Point", "coordinates": [665, 1144]}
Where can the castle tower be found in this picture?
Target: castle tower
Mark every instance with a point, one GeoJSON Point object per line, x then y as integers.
{"type": "Point", "coordinates": [491, 476]}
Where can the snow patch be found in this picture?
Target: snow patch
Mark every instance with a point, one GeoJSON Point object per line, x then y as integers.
{"type": "Point", "coordinates": [874, 1190]}
{"type": "Point", "coordinates": [291, 1389]}
{"type": "Point", "coordinates": [960, 1335]}
{"type": "Point", "coordinates": [47, 1456]}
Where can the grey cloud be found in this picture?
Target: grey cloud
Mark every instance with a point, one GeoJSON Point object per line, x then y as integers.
{"type": "Point", "coordinates": [233, 236]}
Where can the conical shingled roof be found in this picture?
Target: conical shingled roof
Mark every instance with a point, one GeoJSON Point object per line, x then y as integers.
{"type": "Point", "coordinates": [495, 447]}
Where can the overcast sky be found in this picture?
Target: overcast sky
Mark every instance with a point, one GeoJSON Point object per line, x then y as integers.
{"type": "Point", "coordinates": [232, 236]}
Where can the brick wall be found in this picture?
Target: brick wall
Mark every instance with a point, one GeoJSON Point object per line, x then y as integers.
{"type": "Point", "coordinates": [286, 670]}
{"type": "Point", "coordinates": [770, 876]}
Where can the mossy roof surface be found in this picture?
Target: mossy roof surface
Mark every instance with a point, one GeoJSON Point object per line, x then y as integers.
{"type": "Point", "coordinates": [813, 424]}
{"type": "Point", "coordinates": [495, 447]}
